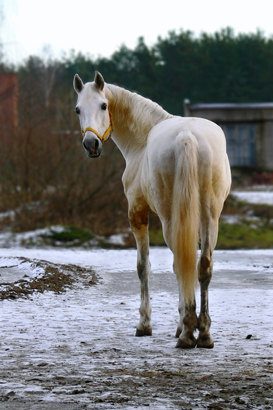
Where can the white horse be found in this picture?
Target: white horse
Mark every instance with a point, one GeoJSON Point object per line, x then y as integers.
{"type": "Point", "coordinates": [178, 168]}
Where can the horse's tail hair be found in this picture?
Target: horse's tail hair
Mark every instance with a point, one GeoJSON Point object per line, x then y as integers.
{"type": "Point", "coordinates": [185, 214]}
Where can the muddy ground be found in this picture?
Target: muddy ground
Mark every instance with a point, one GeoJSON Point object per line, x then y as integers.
{"type": "Point", "coordinates": [68, 341]}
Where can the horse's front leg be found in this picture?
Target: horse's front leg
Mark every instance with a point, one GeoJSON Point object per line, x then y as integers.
{"type": "Point", "coordinates": [139, 225]}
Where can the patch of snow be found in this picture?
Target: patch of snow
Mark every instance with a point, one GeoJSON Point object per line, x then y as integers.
{"type": "Point", "coordinates": [8, 262]}
{"type": "Point", "coordinates": [238, 219]}
{"type": "Point", "coordinates": [116, 239]}
{"type": "Point", "coordinates": [255, 197]}
{"type": "Point", "coordinates": [14, 268]}
{"type": "Point", "coordinates": [261, 188]}
{"type": "Point", "coordinates": [16, 240]}
{"type": "Point", "coordinates": [7, 214]}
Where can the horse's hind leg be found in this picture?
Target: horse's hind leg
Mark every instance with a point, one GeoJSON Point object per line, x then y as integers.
{"type": "Point", "coordinates": [139, 224]}
{"type": "Point", "coordinates": [209, 232]}
{"type": "Point", "coordinates": [187, 305]}
{"type": "Point", "coordinates": [204, 276]}
{"type": "Point", "coordinates": [188, 319]}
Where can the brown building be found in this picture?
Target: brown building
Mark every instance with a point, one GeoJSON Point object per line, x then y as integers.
{"type": "Point", "coordinates": [8, 106]}
{"type": "Point", "coordinates": [248, 129]}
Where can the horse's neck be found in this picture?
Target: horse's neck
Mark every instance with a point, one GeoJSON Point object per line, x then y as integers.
{"type": "Point", "coordinates": [133, 118]}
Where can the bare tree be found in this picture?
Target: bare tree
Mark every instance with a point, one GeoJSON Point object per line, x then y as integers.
{"type": "Point", "coordinates": [45, 176]}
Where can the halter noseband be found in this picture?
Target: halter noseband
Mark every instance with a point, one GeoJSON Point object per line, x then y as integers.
{"type": "Point", "coordinates": [105, 136]}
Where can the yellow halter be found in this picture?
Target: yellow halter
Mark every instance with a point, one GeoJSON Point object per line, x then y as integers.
{"type": "Point", "coordinates": [105, 136]}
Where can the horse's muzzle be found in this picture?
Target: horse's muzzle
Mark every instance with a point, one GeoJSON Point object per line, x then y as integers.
{"type": "Point", "coordinates": [92, 146]}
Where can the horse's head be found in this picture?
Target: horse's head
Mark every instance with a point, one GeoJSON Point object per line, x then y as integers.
{"type": "Point", "coordinates": [92, 109]}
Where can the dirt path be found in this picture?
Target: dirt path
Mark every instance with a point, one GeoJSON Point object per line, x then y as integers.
{"type": "Point", "coordinates": [75, 349]}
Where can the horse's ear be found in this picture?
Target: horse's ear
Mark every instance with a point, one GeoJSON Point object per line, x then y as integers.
{"type": "Point", "coordinates": [77, 83]}
{"type": "Point", "coordinates": [99, 81]}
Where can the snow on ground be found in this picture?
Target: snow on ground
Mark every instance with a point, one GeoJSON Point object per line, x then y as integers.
{"type": "Point", "coordinates": [255, 197]}
{"type": "Point", "coordinates": [77, 349]}
{"type": "Point", "coordinates": [115, 261]}
{"type": "Point", "coordinates": [13, 269]}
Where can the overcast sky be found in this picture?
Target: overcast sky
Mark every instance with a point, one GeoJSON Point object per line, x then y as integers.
{"type": "Point", "coordinates": [100, 27]}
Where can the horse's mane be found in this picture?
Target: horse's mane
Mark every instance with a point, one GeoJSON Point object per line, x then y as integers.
{"type": "Point", "coordinates": [138, 114]}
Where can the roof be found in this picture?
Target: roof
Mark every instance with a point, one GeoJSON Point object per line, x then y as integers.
{"type": "Point", "coordinates": [231, 112]}
{"type": "Point", "coordinates": [232, 106]}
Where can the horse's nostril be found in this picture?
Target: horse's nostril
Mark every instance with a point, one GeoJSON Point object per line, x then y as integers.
{"type": "Point", "coordinates": [85, 146]}
{"type": "Point", "coordinates": [96, 144]}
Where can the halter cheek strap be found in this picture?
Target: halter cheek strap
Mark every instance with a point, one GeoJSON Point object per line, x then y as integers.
{"type": "Point", "coordinates": [105, 136]}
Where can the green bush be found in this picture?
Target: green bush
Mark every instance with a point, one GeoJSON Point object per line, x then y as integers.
{"type": "Point", "coordinates": [71, 234]}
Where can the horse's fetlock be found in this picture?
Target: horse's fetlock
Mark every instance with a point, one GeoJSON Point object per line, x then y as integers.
{"type": "Point", "coordinates": [190, 321]}
{"type": "Point", "coordinates": [204, 322]}
{"type": "Point", "coordinates": [181, 310]}
{"type": "Point", "coordinates": [145, 313]}
{"type": "Point", "coordinates": [204, 318]}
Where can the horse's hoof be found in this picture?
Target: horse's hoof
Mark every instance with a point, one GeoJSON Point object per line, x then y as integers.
{"type": "Point", "coordinates": [186, 343]}
{"type": "Point", "coordinates": [144, 332]}
{"type": "Point", "coordinates": [205, 342]}
{"type": "Point", "coordinates": [178, 331]}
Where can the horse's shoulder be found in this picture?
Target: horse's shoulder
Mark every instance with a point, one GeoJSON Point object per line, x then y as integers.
{"type": "Point", "coordinates": [131, 173]}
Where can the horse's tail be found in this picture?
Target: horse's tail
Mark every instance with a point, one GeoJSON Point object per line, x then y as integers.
{"type": "Point", "coordinates": [185, 214]}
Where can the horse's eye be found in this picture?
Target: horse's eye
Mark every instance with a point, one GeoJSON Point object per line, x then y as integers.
{"type": "Point", "coordinates": [103, 106]}
{"type": "Point", "coordinates": [77, 110]}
